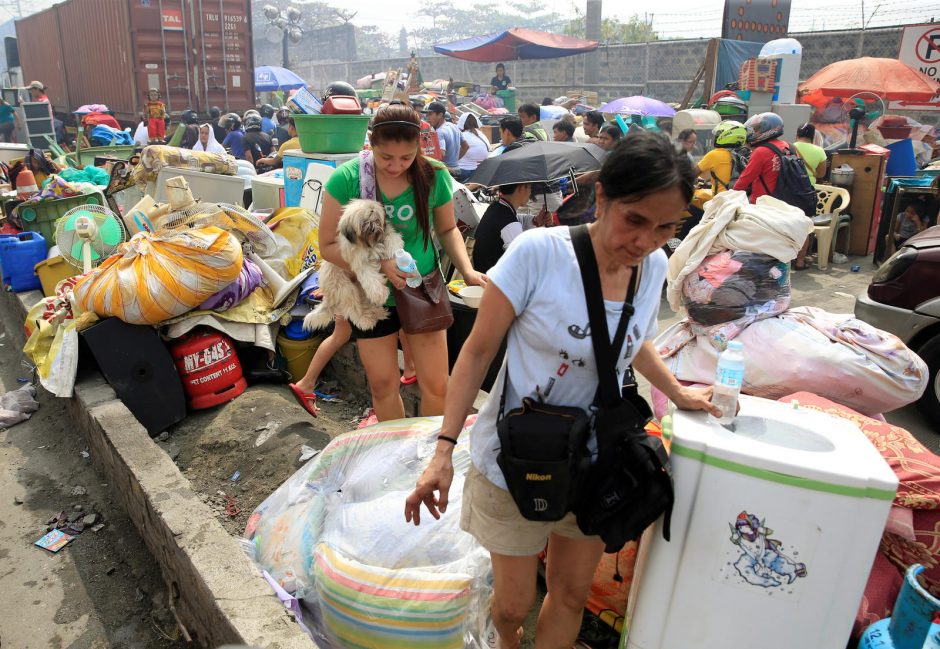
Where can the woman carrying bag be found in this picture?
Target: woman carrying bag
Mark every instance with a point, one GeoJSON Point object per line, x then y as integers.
{"type": "Point", "coordinates": [417, 196]}
{"type": "Point", "coordinates": [537, 294]}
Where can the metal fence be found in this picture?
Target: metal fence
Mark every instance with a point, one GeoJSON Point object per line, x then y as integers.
{"type": "Point", "coordinates": [659, 69]}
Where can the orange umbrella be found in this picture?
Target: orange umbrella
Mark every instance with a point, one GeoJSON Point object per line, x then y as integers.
{"type": "Point", "coordinates": [890, 79]}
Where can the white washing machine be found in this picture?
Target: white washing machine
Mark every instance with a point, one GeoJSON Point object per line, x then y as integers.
{"type": "Point", "coordinates": [774, 532]}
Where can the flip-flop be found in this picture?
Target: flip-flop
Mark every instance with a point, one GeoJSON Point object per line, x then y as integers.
{"type": "Point", "coordinates": [408, 380]}
{"type": "Point", "coordinates": [306, 400]}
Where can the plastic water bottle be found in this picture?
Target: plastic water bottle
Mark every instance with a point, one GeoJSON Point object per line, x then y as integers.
{"type": "Point", "coordinates": [406, 264]}
{"type": "Point", "coordinates": [728, 379]}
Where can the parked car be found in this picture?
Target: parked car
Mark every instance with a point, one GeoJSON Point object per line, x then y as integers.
{"type": "Point", "coordinates": [904, 299]}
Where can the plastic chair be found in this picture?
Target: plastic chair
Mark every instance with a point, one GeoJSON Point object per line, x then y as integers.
{"type": "Point", "coordinates": [831, 202]}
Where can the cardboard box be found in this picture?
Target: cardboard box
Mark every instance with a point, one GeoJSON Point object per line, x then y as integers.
{"type": "Point", "coordinates": [304, 102]}
{"type": "Point", "coordinates": [588, 97]}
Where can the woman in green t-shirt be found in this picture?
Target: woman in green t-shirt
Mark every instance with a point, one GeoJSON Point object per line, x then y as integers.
{"type": "Point", "coordinates": [418, 199]}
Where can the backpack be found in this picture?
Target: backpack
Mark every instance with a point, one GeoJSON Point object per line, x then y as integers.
{"type": "Point", "coordinates": [739, 160]}
{"type": "Point", "coordinates": [793, 183]}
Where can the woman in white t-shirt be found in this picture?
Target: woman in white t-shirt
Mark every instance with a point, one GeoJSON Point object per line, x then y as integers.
{"type": "Point", "coordinates": [535, 295]}
{"type": "Point", "coordinates": [478, 147]}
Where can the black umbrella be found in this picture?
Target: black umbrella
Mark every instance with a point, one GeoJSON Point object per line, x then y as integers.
{"type": "Point", "coordinates": [538, 162]}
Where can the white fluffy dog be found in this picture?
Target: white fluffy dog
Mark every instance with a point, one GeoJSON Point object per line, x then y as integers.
{"type": "Point", "coordinates": [365, 239]}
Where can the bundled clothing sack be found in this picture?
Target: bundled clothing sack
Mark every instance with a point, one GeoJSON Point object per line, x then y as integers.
{"type": "Point", "coordinates": [769, 227]}
{"type": "Point", "coordinates": [333, 537]}
{"type": "Point", "coordinates": [156, 157]}
{"type": "Point", "coordinates": [103, 135]}
{"type": "Point", "coordinates": [154, 278]}
{"type": "Point", "coordinates": [730, 290]}
{"type": "Point", "coordinates": [248, 280]}
{"type": "Point", "coordinates": [834, 355]}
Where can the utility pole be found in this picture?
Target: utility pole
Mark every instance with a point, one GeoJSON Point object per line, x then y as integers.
{"type": "Point", "coordinates": [865, 23]}
{"type": "Point", "coordinates": [592, 31]}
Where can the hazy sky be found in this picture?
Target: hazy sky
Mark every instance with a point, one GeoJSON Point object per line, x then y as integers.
{"type": "Point", "coordinates": [685, 18]}
{"type": "Point", "coordinates": [674, 19]}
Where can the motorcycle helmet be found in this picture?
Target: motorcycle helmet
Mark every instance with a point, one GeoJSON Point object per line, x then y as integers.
{"type": "Point", "coordinates": [763, 127]}
{"type": "Point", "coordinates": [189, 117]}
{"type": "Point", "coordinates": [249, 113]}
{"type": "Point", "coordinates": [267, 110]}
{"type": "Point", "coordinates": [215, 112]}
{"type": "Point", "coordinates": [340, 88]}
{"type": "Point", "coordinates": [228, 121]}
{"type": "Point", "coordinates": [252, 122]}
{"type": "Point", "coordinates": [729, 134]}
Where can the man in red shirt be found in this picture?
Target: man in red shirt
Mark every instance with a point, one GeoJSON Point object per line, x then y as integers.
{"type": "Point", "coordinates": [759, 177]}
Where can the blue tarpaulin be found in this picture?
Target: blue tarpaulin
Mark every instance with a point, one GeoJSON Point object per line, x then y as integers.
{"type": "Point", "coordinates": [731, 54]}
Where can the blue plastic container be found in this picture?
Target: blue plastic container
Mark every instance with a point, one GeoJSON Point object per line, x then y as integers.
{"type": "Point", "coordinates": [19, 254]}
{"type": "Point", "coordinates": [901, 162]}
{"type": "Point", "coordinates": [295, 330]}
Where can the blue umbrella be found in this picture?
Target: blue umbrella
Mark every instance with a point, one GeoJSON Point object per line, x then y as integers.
{"type": "Point", "coordinates": [271, 77]}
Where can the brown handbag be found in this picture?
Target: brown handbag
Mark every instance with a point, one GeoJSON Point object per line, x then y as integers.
{"type": "Point", "coordinates": [425, 308]}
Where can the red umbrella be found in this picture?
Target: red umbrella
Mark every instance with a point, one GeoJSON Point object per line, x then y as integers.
{"type": "Point", "coordinates": [516, 44]}
{"type": "Point", "coordinates": [890, 79]}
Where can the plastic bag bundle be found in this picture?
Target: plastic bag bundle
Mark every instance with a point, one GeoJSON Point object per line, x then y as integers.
{"type": "Point", "coordinates": [834, 355]}
{"type": "Point", "coordinates": [334, 536]}
{"type": "Point", "coordinates": [730, 290]}
{"type": "Point", "coordinates": [156, 157]}
{"type": "Point", "coordinates": [157, 277]}
{"type": "Point", "coordinates": [248, 280]}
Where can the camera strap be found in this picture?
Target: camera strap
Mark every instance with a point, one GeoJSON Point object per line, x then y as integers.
{"type": "Point", "coordinates": [606, 353]}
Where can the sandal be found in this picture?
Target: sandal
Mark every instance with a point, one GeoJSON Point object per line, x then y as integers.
{"type": "Point", "coordinates": [795, 266]}
{"type": "Point", "coordinates": [408, 380]}
{"type": "Point", "coordinates": [306, 400]}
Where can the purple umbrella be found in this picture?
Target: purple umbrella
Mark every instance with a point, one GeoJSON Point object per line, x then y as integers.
{"type": "Point", "coordinates": [638, 105]}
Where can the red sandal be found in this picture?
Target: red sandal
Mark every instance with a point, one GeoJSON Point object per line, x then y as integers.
{"type": "Point", "coordinates": [408, 380]}
{"type": "Point", "coordinates": [307, 400]}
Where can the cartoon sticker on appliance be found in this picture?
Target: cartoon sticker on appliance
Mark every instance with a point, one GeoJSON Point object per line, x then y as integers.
{"type": "Point", "coordinates": [762, 561]}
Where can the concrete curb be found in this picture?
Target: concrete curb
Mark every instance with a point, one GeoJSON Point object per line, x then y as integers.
{"type": "Point", "coordinates": [218, 593]}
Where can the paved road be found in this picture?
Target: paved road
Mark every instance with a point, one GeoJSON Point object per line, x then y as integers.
{"type": "Point", "coordinates": [103, 591]}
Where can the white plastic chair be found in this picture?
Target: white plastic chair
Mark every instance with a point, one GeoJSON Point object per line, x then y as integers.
{"type": "Point", "coordinates": [831, 203]}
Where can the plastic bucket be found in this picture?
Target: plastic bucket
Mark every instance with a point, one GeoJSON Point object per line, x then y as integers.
{"type": "Point", "coordinates": [902, 161]}
{"type": "Point", "coordinates": [297, 354]}
{"type": "Point", "coordinates": [509, 99]}
{"type": "Point", "coordinates": [331, 133]}
{"type": "Point", "coordinates": [52, 271]}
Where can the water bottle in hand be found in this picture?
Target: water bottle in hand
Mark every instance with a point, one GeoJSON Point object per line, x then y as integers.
{"type": "Point", "coordinates": [728, 379]}
{"type": "Point", "coordinates": [407, 264]}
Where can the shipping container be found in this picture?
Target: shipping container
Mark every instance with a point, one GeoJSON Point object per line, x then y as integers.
{"type": "Point", "coordinates": [198, 53]}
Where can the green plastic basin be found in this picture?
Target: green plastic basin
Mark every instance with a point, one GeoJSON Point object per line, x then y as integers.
{"type": "Point", "coordinates": [331, 133]}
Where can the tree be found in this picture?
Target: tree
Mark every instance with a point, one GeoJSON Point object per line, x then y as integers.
{"type": "Point", "coordinates": [450, 22]}
{"type": "Point", "coordinates": [373, 43]}
{"type": "Point", "coordinates": [635, 30]}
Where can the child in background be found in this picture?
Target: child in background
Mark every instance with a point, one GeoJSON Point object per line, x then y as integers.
{"type": "Point", "coordinates": [910, 223]}
{"type": "Point", "coordinates": [156, 116]}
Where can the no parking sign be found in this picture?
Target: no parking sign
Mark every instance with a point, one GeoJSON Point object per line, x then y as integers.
{"type": "Point", "coordinates": [920, 49]}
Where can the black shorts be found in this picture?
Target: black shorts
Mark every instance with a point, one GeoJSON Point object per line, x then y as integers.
{"type": "Point", "coordinates": [386, 327]}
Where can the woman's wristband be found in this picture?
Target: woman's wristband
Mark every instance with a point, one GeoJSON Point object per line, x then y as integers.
{"type": "Point", "coordinates": [445, 438]}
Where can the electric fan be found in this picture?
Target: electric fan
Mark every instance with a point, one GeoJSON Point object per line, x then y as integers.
{"type": "Point", "coordinates": [88, 234]}
{"type": "Point", "coordinates": [862, 107]}
{"type": "Point", "coordinates": [257, 236]}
